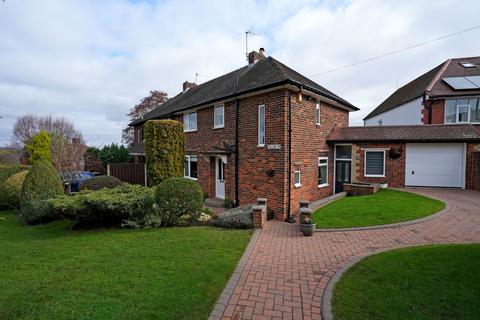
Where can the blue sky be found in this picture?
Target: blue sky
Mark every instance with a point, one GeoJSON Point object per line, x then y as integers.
{"type": "Point", "coordinates": [90, 61]}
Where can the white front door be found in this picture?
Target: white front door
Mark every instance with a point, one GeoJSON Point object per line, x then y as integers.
{"type": "Point", "coordinates": [219, 178]}
{"type": "Point", "coordinates": [435, 165]}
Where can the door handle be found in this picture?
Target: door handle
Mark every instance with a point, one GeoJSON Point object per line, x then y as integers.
{"type": "Point", "coordinates": [413, 171]}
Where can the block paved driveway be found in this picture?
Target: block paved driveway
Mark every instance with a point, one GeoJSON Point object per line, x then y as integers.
{"type": "Point", "coordinates": [286, 273]}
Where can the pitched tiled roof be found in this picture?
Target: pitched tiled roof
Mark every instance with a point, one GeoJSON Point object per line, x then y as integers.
{"type": "Point", "coordinates": [412, 90]}
{"type": "Point", "coordinates": [419, 133]}
{"type": "Point", "coordinates": [263, 74]}
{"type": "Point", "coordinates": [432, 84]}
{"type": "Point", "coordinates": [455, 69]}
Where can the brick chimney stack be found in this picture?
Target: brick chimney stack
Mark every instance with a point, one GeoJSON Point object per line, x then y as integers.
{"type": "Point", "coordinates": [255, 56]}
{"type": "Point", "coordinates": [188, 85]}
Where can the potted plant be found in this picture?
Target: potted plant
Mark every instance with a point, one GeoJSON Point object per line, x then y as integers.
{"type": "Point", "coordinates": [306, 225]}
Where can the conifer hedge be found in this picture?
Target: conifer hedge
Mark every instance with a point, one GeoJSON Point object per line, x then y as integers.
{"type": "Point", "coordinates": [164, 150]}
{"type": "Point", "coordinates": [41, 183]}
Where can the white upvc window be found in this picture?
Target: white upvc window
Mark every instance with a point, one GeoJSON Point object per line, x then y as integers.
{"type": "Point", "coordinates": [298, 178]}
{"type": "Point", "coordinates": [462, 110]}
{"type": "Point", "coordinates": [322, 171]}
{"type": "Point", "coordinates": [190, 122]}
{"type": "Point", "coordinates": [219, 117]}
{"type": "Point", "coordinates": [261, 126]}
{"type": "Point", "coordinates": [317, 113]}
{"type": "Point", "coordinates": [190, 167]}
{"type": "Point", "coordinates": [374, 163]}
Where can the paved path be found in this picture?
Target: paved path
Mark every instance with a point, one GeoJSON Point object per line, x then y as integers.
{"type": "Point", "coordinates": [286, 273]}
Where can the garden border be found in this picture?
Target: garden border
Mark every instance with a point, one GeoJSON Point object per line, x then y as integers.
{"type": "Point", "coordinates": [227, 292]}
{"type": "Point", "coordinates": [326, 304]}
{"type": "Point", "coordinates": [437, 214]}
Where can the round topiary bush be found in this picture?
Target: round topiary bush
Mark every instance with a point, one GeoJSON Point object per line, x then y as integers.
{"type": "Point", "coordinates": [6, 172]}
{"type": "Point", "coordinates": [12, 189]}
{"type": "Point", "coordinates": [176, 197]}
{"type": "Point", "coordinates": [41, 183]}
{"type": "Point", "coordinates": [100, 182]}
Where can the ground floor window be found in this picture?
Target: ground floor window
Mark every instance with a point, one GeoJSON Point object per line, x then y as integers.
{"type": "Point", "coordinates": [298, 178]}
{"type": "Point", "coordinates": [322, 171]}
{"type": "Point", "coordinates": [190, 167]}
{"type": "Point", "coordinates": [374, 163]}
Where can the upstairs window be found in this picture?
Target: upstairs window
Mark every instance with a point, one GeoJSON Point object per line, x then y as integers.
{"type": "Point", "coordinates": [462, 111]}
{"type": "Point", "coordinates": [261, 126]}
{"type": "Point", "coordinates": [374, 163]}
{"type": "Point", "coordinates": [298, 178]}
{"type": "Point", "coordinates": [190, 121]}
{"type": "Point", "coordinates": [317, 113]}
{"type": "Point", "coordinates": [219, 117]}
{"type": "Point", "coordinates": [190, 167]}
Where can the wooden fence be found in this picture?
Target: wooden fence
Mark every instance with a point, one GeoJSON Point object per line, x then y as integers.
{"type": "Point", "coordinates": [134, 173]}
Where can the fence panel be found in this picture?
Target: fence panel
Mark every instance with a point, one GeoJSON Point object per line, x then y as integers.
{"type": "Point", "coordinates": [134, 173]}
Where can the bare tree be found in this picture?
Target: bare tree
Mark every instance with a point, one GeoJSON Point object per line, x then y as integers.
{"type": "Point", "coordinates": [147, 104]}
{"type": "Point", "coordinates": [67, 142]}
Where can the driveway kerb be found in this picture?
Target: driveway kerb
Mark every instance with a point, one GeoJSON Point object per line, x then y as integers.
{"type": "Point", "coordinates": [227, 292]}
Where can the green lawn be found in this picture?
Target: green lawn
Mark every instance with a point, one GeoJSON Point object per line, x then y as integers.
{"type": "Point", "coordinates": [385, 207]}
{"type": "Point", "coordinates": [432, 282]}
{"type": "Point", "coordinates": [51, 272]}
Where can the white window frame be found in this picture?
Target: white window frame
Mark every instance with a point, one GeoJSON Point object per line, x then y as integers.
{"type": "Point", "coordinates": [325, 164]}
{"type": "Point", "coordinates": [299, 183]}
{"type": "Point", "coordinates": [457, 113]}
{"type": "Point", "coordinates": [318, 113]}
{"type": "Point", "coordinates": [365, 164]}
{"type": "Point", "coordinates": [219, 126]}
{"type": "Point", "coordinates": [261, 142]}
{"type": "Point", "coordinates": [189, 161]}
{"type": "Point", "coordinates": [186, 122]}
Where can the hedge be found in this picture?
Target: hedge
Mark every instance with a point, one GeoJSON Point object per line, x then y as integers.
{"type": "Point", "coordinates": [42, 182]}
{"type": "Point", "coordinates": [6, 172]}
{"type": "Point", "coordinates": [164, 150]}
{"type": "Point", "coordinates": [100, 182]}
{"type": "Point", "coordinates": [12, 189]}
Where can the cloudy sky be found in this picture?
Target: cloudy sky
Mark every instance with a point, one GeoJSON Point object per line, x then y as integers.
{"type": "Point", "coordinates": [90, 61]}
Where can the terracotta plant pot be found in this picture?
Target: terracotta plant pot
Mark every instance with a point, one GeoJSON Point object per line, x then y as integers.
{"type": "Point", "coordinates": [307, 229]}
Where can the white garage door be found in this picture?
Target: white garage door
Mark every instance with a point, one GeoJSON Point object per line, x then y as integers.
{"type": "Point", "coordinates": [435, 165]}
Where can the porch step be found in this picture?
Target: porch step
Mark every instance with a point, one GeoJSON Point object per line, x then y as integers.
{"type": "Point", "coordinates": [215, 202]}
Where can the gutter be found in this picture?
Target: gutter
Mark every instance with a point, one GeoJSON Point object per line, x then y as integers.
{"type": "Point", "coordinates": [289, 211]}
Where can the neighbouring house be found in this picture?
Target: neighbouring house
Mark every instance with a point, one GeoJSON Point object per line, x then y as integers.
{"type": "Point", "coordinates": [432, 124]}
{"type": "Point", "coordinates": [258, 131]}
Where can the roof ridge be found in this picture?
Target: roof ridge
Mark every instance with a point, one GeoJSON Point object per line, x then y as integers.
{"type": "Point", "coordinates": [437, 76]}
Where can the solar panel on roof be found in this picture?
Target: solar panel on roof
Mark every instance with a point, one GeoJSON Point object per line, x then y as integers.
{"type": "Point", "coordinates": [474, 79]}
{"type": "Point", "coordinates": [460, 83]}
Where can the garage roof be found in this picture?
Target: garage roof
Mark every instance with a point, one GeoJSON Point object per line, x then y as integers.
{"type": "Point", "coordinates": [419, 133]}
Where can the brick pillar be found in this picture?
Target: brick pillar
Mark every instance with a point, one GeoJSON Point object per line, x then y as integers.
{"type": "Point", "coordinates": [260, 213]}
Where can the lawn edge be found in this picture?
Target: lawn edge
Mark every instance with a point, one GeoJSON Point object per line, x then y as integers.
{"type": "Point", "coordinates": [437, 214]}
{"type": "Point", "coordinates": [326, 304]}
{"type": "Point", "coordinates": [227, 292]}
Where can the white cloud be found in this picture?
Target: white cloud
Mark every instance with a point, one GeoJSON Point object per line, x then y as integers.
{"type": "Point", "coordinates": [90, 61]}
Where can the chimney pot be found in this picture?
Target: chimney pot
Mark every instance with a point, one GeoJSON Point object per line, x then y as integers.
{"type": "Point", "coordinates": [188, 85]}
{"type": "Point", "coordinates": [255, 56]}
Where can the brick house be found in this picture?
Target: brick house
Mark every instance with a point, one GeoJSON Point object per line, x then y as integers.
{"type": "Point", "coordinates": [259, 131]}
{"type": "Point", "coordinates": [433, 122]}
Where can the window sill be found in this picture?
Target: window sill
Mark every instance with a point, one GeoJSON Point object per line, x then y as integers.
{"type": "Point", "coordinates": [318, 124]}
{"type": "Point", "coordinates": [190, 130]}
{"type": "Point", "coordinates": [261, 146]}
{"type": "Point", "coordinates": [297, 185]}
{"type": "Point", "coordinates": [214, 128]}
{"type": "Point", "coordinates": [374, 176]}
{"type": "Point", "coordinates": [190, 178]}
{"type": "Point", "coordinates": [320, 186]}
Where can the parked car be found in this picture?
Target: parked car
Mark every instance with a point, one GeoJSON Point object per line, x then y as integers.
{"type": "Point", "coordinates": [72, 180]}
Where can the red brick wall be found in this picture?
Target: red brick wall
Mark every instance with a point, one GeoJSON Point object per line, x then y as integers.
{"type": "Point", "coordinates": [394, 168]}
{"type": "Point", "coordinates": [472, 170]}
{"type": "Point", "coordinates": [308, 144]}
{"type": "Point", "coordinates": [438, 112]}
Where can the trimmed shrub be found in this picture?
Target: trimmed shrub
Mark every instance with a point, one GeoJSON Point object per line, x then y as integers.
{"type": "Point", "coordinates": [5, 173]}
{"type": "Point", "coordinates": [39, 147]}
{"type": "Point", "coordinates": [41, 183]}
{"type": "Point", "coordinates": [176, 197]}
{"type": "Point", "coordinates": [105, 207]}
{"type": "Point", "coordinates": [238, 218]}
{"type": "Point", "coordinates": [164, 150]}
{"type": "Point", "coordinates": [12, 189]}
{"type": "Point", "coordinates": [100, 182]}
